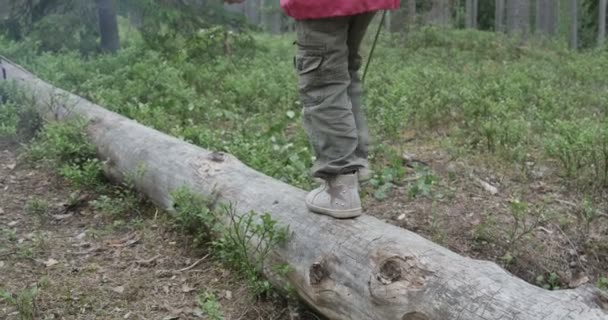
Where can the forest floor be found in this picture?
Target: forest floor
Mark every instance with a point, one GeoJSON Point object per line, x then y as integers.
{"type": "Point", "coordinates": [529, 223]}
{"type": "Point", "coordinates": [62, 259]}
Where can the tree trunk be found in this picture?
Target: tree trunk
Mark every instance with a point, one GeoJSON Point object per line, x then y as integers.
{"type": "Point", "coordinates": [108, 26]}
{"type": "Point", "coordinates": [440, 13]}
{"type": "Point", "coordinates": [396, 20]}
{"type": "Point", "coordinates": [252, 12]}
{"type": "Point", "coordinates": [499, 15]}
{"type": "Point", "coordinates": [411, 14]}
{"type": "Point", "coordinates": [359, 269]}
{"type": "Point", "coordinates": [475, 13]}
{"type": "Point", "coordinates": [541, 13]}
{"type": "Point", "coordinates": [471, 14]}
{"type": "Point", "coordinates": [574, 24]}
{"type": "Point", "coordinates": [518, 17]}
{"type": "Point", "coordinates": [601, 34]}
{"type": "Point", "coordinates": [553, 17]}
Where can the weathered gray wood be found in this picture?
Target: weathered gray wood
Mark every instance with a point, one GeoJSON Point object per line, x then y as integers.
{"type": "Point", "coordinates": [357, 269]}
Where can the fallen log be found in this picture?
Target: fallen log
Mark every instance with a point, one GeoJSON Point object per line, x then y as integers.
{"type": "Point", "coordinates": [353, 269]}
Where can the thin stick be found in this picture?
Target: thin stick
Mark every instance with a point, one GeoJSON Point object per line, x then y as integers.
{"type": "Point", "coordinates": [369, 59]}
{"type": "Point", "coordinates": [194, 264]}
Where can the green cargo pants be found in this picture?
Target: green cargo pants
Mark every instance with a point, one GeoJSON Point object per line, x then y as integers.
{"type": "Point", "coordinates": [327, 62]}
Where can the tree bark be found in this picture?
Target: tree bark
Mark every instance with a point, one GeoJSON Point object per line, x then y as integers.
{"type": "Point", "coordinates": [518, 17]}
{"type": "Point", "coordinates": [499, 15]}
{"type": "Point", "coordinates": [108, 26]}
{"type": "Point", "coordinates": [357, 269]}
{"type": "Point", "coordinates": [475, 13]}
{"type": "Point", "coordinates": [471, 14]}
{"type": "Point", "coordinates": [541, 13]}
{"type": "Point", "coordinates": [411, 14]}
{"type": "Point", "coordinates": [440, 13]}
{"type": "Point", "coordinates": [601, 34]}
{"type": "Point", "coordinates": [574, 24]}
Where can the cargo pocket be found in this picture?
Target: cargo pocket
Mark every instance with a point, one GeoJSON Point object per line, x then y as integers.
{"type": "Point", "coordinates": [310, 78]}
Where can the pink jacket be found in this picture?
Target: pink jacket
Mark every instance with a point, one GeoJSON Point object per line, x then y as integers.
{"type": "Point", "coordinates": [317, 9]}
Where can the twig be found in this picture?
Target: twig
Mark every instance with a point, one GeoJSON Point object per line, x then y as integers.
{"type": "Point", "coordinates": [7, 253]}
{"type": "Point", "coordinates": [148, 261]}
{"type": "Point", "coordinates": [573, 247]}
{"type": "Point", "coordinates": [194, 264]}
{"type": "Point", "coordinates": [568, 203]}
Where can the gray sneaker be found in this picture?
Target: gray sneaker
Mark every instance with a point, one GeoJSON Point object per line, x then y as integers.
{"type": "Point", "coordinates": [337, 197]}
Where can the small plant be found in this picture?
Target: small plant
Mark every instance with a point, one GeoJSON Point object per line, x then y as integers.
{"type": "Point", "coordinates": [525, 221]}
{"type": "Point", "coordinates": [438, 234]}
{"type": "Point", "coordinates": [87, 174]}
{"type": "Point", "coordinates": [210, 306]}
{"type": "Point", "coordinates": [8, 118]}
{"type": "Point", "coordinates": [10, 234]}
{"type": "Point", "coordinates": [24, 302]}
{"type": "Point", "coordinates": [116, 205]}
{"type": "Point", "coordinates": [246, 243]}
{"type": "Point", "coordinates": [194, 216]}
{"type": "Point", "coordinates": [588, 214]}
{"type": "Point", "coordinates": [549, 281]}
{"type": "Point", "coordinates": [37, 207]}
{"type": "Point", "coordinates": [424, 184]}
{"type": "Point", "coordinates": [602, 283]}
{"type": "Point", "coordinates": [65, 146]}
{"type": "Point", "coordinates": [389, 176]}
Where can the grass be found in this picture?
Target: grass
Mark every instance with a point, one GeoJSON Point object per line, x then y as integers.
{"type": "Point", "coordinates": [37, 207]}
{"type": "Point", "coordinates": [24, 302]}
{"type": "Point", "coordinates": [211, 307]}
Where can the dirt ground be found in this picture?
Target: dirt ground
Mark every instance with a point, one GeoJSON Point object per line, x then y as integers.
{"type": "Point", "coordinates": [554, 240]}
{"type": "Point", "coordinates": [89, 266]}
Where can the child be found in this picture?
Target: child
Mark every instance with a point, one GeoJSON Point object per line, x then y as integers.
{"type": "Point", "coordinates": [329, 35]}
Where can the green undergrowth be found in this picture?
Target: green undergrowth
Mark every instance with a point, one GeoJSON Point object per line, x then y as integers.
{"type": "Point", "coordinates": [491, 95]}
{"type": "Point", "coordinates": [243, 241]}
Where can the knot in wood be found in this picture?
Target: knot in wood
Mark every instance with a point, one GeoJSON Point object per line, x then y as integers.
{"type": "Point", "coordinates": [217, 156]}
{"type": "Point", "coordinates": [390, 271]}
{"type": "Point", "coordinates": [317, 273]}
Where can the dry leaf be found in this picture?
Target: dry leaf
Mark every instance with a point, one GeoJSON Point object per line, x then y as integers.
{"type": "Point", "coordinates": [488, 187]}
{"type": "Point", "coordinates": [186, 288]}
{"type": "Point", "coordinates": [125, 242]}
{"type": "Point", "coordinates": [401, 217]}
{"type": "Point", "coordinates": [12, 223]}
{"type": "Point", "coordinates": [1, 211]}
{"type": "Point", "coordinates": [51, 262]}
{"type": "Point", "coordinates": [228, 295]}
{"type": "Point", "coordinates": [578, 281]}
{"type": "Point", "coordinates": [11, 166]}
{"type": "Point", "coordinates": [62, 216]}
{"type": "Point", "coordinates": [119, 289]}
